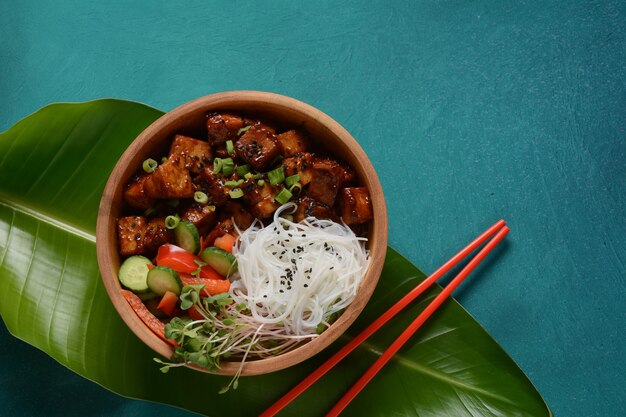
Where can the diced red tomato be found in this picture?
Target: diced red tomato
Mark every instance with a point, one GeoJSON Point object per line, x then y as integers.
{"type": "Point", "coordinates": [225, 242]}
{"type": "Point", "coordinates": [211, 286]}
{"type": "Point", "coordinates": [146, 316]}
{"type": "Point", "coordinates": [177, 258]}
{"type": "Point", "coordinates": [168, 303]}
{"type": "Point", "coordinates": [194, 314]}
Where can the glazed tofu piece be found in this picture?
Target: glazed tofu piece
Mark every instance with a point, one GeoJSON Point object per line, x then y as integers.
{"type": "Point", "coordinates": [260, 199]}
{"type": "Point", "coordinates": [170, 180]}
{"type": "Point", "coordinates": [139, 236]}
{"type": "Point", "coordinates": [323, 187]}
{"type": "Point", "coordinates": [238, 214]}
{"type": "Point", "coordinates": [344, 174]}
{"type": "Point", "coordinates": [135, 194]}
{"type": "Point", "coordinates": [293, 142]}
{"type": "Point", "coordinates": [355, 206]}
{"type": "Point", "coordinates": [203, 217]}
{"type": "Point", "coordinates": [258, 147]}
{"type": "Point", "coordinates": [307, 207]}
{"type": "Point", "coordinates": [301, 164]}
{"type": "Point", "coordinates": [210, 183]}
{"type": "Point", "coordinates": [223, 227]}
{"type": "Point", "coordinates": [196, 154]}
{"type": "Point", "coordinates": [223, 126]}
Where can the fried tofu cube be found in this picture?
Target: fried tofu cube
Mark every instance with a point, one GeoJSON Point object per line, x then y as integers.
{"type": "Point", "coordinates": [301, 164]}
{"type": "Point", "coordinates": [355, 206]}
{"type": "Point", "coordinates": [139, 236]}
{"type": "Point", "coordinates": [170, 180]}
{"type": "Point", "coordinates": [203, 217]}
{"type": "Point", "coordinates": [260, 199]}
{"type": "Point", "coordinates": [238, 214]}
{"type": "Point", "coordinates": [223, 126]}
{"type": "Point", "coordinates": [258, 147]}
{"type": "Point", "coordinates": [210, 183]}
{"type": "Point", "coordinates": [323, 187]}
{"type": "Point", "coordinates": [344, 173]}
{"type": "Point", "coordinates": [293, 142]}
{"type": "Point", "coordinates": [135, 194]}
{"type": "Point", "coordinates": [196, 154]}
{"type": "Point", "coordinates": [307, 207]}
{"type": "Point", "coordinates": [223, 227]}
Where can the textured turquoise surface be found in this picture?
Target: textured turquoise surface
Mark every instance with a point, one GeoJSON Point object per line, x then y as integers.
{"type": "Point", "coordinates": [470, 111]}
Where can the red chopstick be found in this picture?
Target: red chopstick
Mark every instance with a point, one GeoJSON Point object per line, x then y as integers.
{"type": "Point", "coordinates": [409, 331]}
{"type": "Point", "coordinates": [395, 309]}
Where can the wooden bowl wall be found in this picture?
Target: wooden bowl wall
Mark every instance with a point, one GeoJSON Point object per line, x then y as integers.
{"type": "Point", "coordinates": [190, 119]}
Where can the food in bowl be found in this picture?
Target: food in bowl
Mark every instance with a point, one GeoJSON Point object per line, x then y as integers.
{"type": "Point", "coordinates": [242, 244]}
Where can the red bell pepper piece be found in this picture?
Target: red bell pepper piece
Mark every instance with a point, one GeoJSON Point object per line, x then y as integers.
{"type": "Point", "coordinates": [146, 316]}
{"type": "Point", "coordinates": [211, 286]}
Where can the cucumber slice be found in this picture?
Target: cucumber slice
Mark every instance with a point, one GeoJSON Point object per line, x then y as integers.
{"type": "Point", "coordinates": [187, 237]}
{"type": "Point", "coordinates": [133, 273]}
{"type": "Point", "coordinates": [162, 279]}
{"type": "Point", "coordinates": [223, 262]}
{"type": "Point", "coordinates": [147, 296]}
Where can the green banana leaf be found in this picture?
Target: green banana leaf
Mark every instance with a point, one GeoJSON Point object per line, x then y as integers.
{"type": "Point", "coordinates": [53, 167]}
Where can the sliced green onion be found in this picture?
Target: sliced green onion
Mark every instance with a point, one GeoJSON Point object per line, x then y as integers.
{"type": "Point", "coordinates": [243, 170]}
{"type": "Point", "coordinates": [174, 202]}
{"type": "Point", "coordinates": [164, 159]}
{"type": "Point", "coordinates": [230, 149]}
{"type": "Point", "coordinates": [228, 166]}
{"type": "Point", "coordinates": [200, 197]}
{"type": "Point", "coordinates": [236, 193]}
{"type": "Point", "coordinates": [295, 189]}
{"type": "Point", "coordinates": [172, 221]}
{"type": "Point", "coordinates": [233, 183]}
{"type": "Point", "coordinates": [287, 217]}
{"type": "Point", "coordinates": [243, 130]}
{"type": "Point", "coordinates": [276, 176]}
{"type": "Point", "coordinates": [149, 212]}
{"type": "Point", "coordinates": [211, 208]}
{"type": "Point", "coordinates": [260, 183]}
{"type": "Point", "coordinates": [283, 196]}
{"type": "Point", "coordinates": [217, 165]}
{"type": "Point", "coordinates": [149, 165]}
{"type": "Point", "coordinates": [289, 181]}
{"type": "Point", "coordinates": [249, 175]}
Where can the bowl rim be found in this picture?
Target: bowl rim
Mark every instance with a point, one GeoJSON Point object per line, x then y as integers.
{"type": "Point", "coordinates": [377, 240]}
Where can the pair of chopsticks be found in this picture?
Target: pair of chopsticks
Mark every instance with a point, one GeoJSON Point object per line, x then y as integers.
{"type": "Point", "coordinates": [499, 229]}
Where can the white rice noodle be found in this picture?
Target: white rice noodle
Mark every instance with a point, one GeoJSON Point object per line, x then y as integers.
{"type": "Point", "coordinates": [298, 274]}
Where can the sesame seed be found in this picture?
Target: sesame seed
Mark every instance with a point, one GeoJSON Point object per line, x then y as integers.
{"type": "Point", "coordinates": [306, 285]}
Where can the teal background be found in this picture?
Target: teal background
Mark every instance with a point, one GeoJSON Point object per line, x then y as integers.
{"type": "Point", "coordinates": [470, 111]}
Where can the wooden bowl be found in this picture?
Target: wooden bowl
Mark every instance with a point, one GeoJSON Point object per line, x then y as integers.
{"type": "Point", "coordinates": [190, 119]}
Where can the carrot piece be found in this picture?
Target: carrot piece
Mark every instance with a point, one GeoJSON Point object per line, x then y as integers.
{"type": "Point", "coordinates": [226, 242]}
{"type": "Point", "coordinates": [168, 303]}
{"type": "Point", "coordinates": [146, 316]}
{"type": "Point", "coordinates": [211, 286]}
